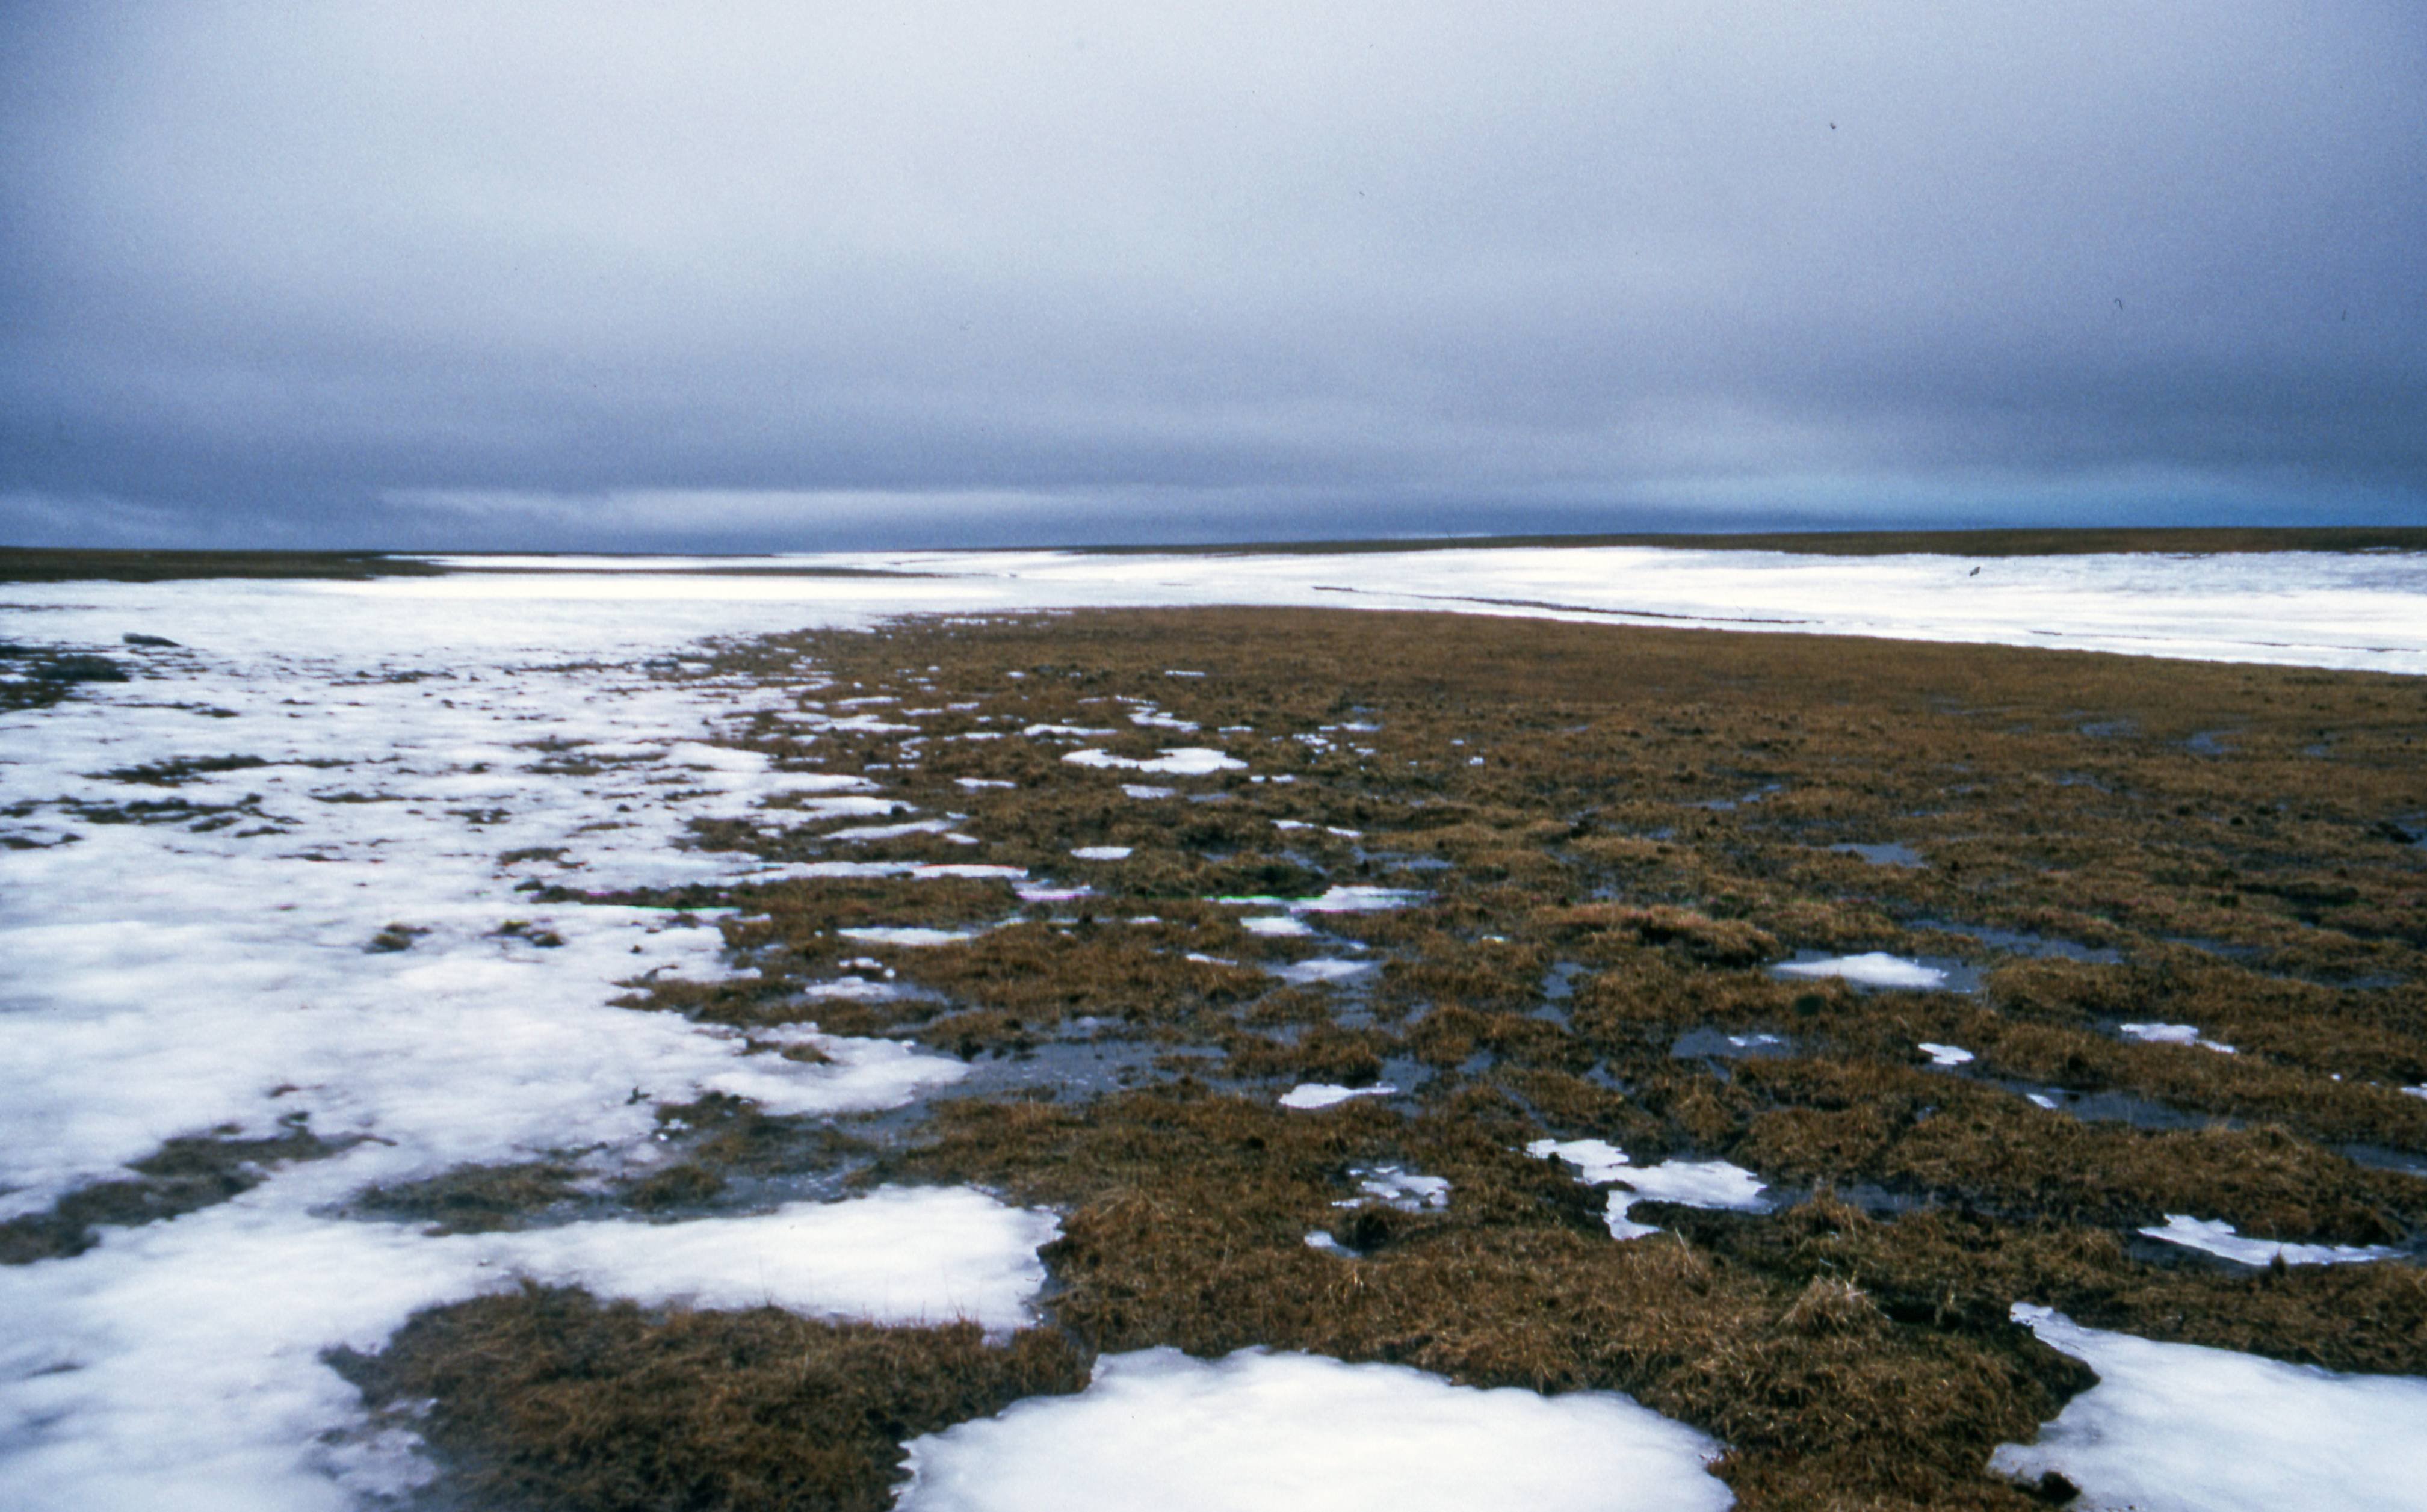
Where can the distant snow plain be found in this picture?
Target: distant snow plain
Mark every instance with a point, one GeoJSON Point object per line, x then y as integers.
{"type": "Point", "coordinates": [164, 981]}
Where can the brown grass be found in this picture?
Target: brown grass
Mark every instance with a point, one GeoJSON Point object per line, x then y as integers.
{"type": "Point", "coordinates": [1647, 831]}
{"type": "Point", "coordinates": [546, 1399]}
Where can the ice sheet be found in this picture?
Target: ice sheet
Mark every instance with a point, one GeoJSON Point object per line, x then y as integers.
{"type": "Point", "coordinates": [2184, 1428]}
{"type": "Point", "coordinates": [1258, 1431]}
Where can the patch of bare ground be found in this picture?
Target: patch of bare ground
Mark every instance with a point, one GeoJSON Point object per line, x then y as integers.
{"type": "Point", "coordinates": [1610, 838]}
{"type": "Point", "coordinates": [186, 1174]}
{"type": "Point", "coordinates": [546, 1399]}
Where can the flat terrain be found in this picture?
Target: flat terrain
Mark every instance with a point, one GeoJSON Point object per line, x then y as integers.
{"type": "Point", "coordinates": [63, 564]}
{"type": "Point", "coordinates": [46, 564]}
{"type": "Point", "coordinates": [1564, 867]}
{"type": "Point", "coordinates": [2012, 543]}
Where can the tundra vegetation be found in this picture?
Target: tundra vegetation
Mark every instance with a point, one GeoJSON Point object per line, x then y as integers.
{"type": "Point", "coordinates": [1607, 841]}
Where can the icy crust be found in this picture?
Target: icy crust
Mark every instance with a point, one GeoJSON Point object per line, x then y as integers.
{"type": "Point", "coordinates": [1256, 1431]}
{"type": "Point", "coordinates": [180, 1364]}
{"type": "Point", "coordinates": [2217, 1237]}
{"type": "Point", "coordinates": [2187, 1428]}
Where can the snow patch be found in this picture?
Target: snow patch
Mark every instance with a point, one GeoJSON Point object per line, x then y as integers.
{"type": "Point", "coordinates": [1398, 1187]}
{"type": "Point", "coordinates": [1321, 968]}
{"type": "Point", "coordinates": [1875, 968]}
{"type": "Point", "coordinates": [2188, 1428]}
{"type": "Point", "coordinates": [179, 1364]}
{"type": "Point", "coordinates": [1274, 926]}
{"type": "Point", "coordinates": [1259, 1430]}
{"type": "Point", "coordinates": [912, 934]}
{"type": "Point", "coordinates": [2217, 1237]}
{"type": "Point", "coordinates": [1179, 762]}
{"type": "Point", "coordinates": [2170, 1035]}
{"type": "Point", "coordinates": [1308, 1096]}
{"type": "Point", "coordinates": [1692, 1183]}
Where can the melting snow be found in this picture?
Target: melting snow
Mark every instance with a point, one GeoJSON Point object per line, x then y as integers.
{"type": "Point", "coordinates": [179, 1364]}
{"type": "Point", "coordinates": [1278, 926]}
{"type": "Point", "coordinates": [1358, 900]}
{"type": "Point", "coordinates": [2216, 1237]}
{"type": "Point", "coordinates": [2170, 1035]}
{"type": "Point", "coordinates": [1402, 1190]}
{"type": "Point", "coordinates": [1139, 789]}
{"type": "Point", "coordinates": [1259, 1430]}
{"type": "Point", "coordinates": [1596, 1161]}
{"type": "Point", "coordinates": [1311, 1095]}
{"type": "Point", "coordinates": [1103, 852]}
{"type": "Point", "coordinates": [1947, 1054]}
{"type": "Point", "coordinates": [1693, 1184]}
{"type": "Point", "coordinates": [1875, 970]}
{"type": "Point", "coordinates": [908, 935]}
{"type": "Point", "coordinates": [1179, 762]}
{"type": "Point", "coordinates": [2185, 1428]}
{"type": "Point", "coordinates": [1322, 969]}
{"type": "Point", "coordinates": [169, 977]}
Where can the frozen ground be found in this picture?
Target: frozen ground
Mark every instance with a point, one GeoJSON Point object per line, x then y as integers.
{"type": "Point", "coordinates": [210, 967]}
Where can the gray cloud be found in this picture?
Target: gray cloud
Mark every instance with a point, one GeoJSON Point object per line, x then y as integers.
{"type": "Point", "coordinates": [743, 275]}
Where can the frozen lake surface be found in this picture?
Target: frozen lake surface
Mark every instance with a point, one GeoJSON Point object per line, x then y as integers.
{"type": "Point", "coordinates": [399, 736]}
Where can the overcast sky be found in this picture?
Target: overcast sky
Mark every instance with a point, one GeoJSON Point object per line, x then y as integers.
{"type": "Point", "coordinates": [823, 275]}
